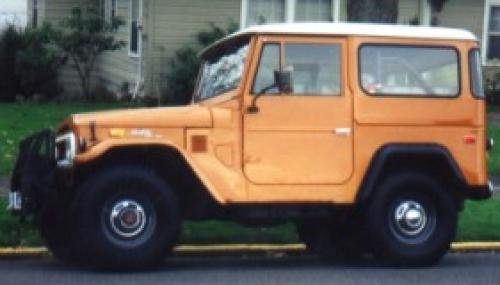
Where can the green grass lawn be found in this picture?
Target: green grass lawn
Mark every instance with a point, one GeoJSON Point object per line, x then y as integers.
{"type": "Point", "coordinates": [494, 155]}
{"type": "Point", "coordinates": [478, 221]}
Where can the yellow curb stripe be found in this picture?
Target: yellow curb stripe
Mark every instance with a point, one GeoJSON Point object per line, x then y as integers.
{"type": "Point", "coordinates": [458, 246]}
{"type": "Point", "coordinates": [26, 251]}
{"type": "Point", "coordinates": [239, 247]}
{"type": "Point", "coordinates": [41, 251]}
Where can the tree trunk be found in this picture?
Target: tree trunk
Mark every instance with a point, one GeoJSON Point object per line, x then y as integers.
{"type": "Point", "coordinates": [372, 11]}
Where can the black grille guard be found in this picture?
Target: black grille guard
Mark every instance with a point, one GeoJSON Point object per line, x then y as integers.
{"type": "Point", "coordinates": [35, 171]}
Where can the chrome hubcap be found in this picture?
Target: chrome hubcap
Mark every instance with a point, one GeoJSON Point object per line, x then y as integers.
{"type": "Point", "coordinates": [410, 218]}
{"type": "Point", "coordinates": [127, 218]}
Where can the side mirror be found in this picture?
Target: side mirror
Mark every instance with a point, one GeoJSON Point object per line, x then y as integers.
{"type": "Point", "coordinates": [283, 80]}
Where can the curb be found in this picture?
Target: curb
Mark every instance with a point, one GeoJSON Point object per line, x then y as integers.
{"type": "Point", "coordinates": [241, 248]}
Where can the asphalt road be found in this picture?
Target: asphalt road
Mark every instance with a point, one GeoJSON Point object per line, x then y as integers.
{"type": "Point", "coordinates": [470, 268]}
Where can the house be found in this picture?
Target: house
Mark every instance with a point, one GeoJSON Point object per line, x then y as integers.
{"type": "Point", "coordinates": [155, 29]}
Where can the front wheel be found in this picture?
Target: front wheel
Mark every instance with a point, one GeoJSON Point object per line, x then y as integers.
{"type": "Point", "coordinates": [126, 217]}
{"type": "Point", "coordinates": [411, 220]}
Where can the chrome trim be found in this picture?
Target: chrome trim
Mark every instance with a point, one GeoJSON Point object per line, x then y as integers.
{"type": "Point", "coordinates": [342, 131]}
{"type": "Point", "coordinates": [15, 202]}
{"type": "Point", "coordinates": [127, 219]}
{"type": "Point", "coordinates": [70, 140]}
{"type": "Point", "coordinates": [410, 218]}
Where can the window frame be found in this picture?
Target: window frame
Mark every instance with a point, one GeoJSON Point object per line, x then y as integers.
{"type": "Point", "coordinates": [331, 13]}
{"type": "Point", "coordinates": [113, 8]}
{"type": "Point", "coordinates": [471, 78]}
{"type": "Point", "coordinates": [135, 54]}
{"type": "Point", "coordinates": [35, 12]}
{"type": "Point", "coordinates": [409, 95]}
{"type": "Point", "coordinates": [282, 45]}
{"type": "Point", "coordinates": [486, 32]}
{"type": "Point", "coordinates": [108, 9]}
{"type": "Point", "coordinates": [290, 7]}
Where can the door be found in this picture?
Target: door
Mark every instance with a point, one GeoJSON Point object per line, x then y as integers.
{"type": "Point", "coordinates": [304, 137]}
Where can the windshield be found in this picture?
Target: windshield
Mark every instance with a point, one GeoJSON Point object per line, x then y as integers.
{"type": "Point", "coordinates": [221, 70]}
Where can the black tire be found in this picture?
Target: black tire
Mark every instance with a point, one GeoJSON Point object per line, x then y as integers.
{"type": "Point", "coordinates": [56, 232]}
{"type": "Point", "coordinates": [332, 241]}
{"type": "Point", "coordinates": [126, 217]}
{"type": "Point", "coordinates": [411, 220]}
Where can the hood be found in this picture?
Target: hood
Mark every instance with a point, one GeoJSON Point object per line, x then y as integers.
{"type": "Point", "coordinates": [164, 117]}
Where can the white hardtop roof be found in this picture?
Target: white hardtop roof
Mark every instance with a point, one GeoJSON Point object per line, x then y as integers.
{"type": "Point", "coordinates": [355, 29]}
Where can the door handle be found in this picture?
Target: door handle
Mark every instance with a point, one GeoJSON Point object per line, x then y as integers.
{"type": "Point", "coordinates": [344, 132]}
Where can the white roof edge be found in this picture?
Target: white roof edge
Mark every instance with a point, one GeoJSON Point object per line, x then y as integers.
{"type": "Point", "coordinates": [355, 29]}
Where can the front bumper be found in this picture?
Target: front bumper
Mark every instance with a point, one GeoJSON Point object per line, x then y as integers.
{"type": "Point", "coordinates": [480, 192]}
{"type": "Point", "coordinates": [34, 177]}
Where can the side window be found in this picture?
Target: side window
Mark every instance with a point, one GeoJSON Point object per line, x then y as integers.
{"type": "Point", "coordinates": [409, 71]}
{"type": "Point", "coordinates": [315, 68]}
{"type": "Point", "coordinates": [475, 74]}
{"type": "Point", "coordinates": [269, 63]}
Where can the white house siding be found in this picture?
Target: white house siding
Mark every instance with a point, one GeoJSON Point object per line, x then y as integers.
{"type": "Point", "coordinates": [54, 11]}
{"type": "Point", "coordinates": [173, 24]}
{"type": "Point", "coordinates": [408, 10]}
{"type": "Point", "coordinates": [112, 68]}
{"type": "Point", "coordinates": [41, 11]}
{"type": "Point", "coordinates": [463, 14]}
{"type": "Point", "coordinates": [115, 68]}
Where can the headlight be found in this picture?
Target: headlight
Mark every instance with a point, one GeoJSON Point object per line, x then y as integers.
{"type": "Point", "coordinates": [65, 149]}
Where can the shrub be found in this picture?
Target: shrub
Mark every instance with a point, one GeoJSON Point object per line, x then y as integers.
{"type": "Point", "coordinates": [10, 44]}
{"type": "Point", "coordinates": [38, 63]}
{"type": "Point", "coordinates": [29, 63]}
{"type": "Point", "coordinates": [183, 68]}
{"type": "Point", "coordinates": [85, 36]}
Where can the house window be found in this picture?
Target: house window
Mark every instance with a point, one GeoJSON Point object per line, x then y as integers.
{"type": "Point", "coordinates": [255, 12]}
{"type": "Point", "coordinates": [493, 37]}
{"type": "Point", "coordinates": [134, 34]}
{"type": "Point", "coordinates": [313, 11]}
{"type": "Point", "coordinates": [113, 8]}
{"type": "Point", "coordinates": [265, 11]}
{"type": "Point", "coordinates": [108, 9]}
{"type": "Point", "coordinates": [34, 14]}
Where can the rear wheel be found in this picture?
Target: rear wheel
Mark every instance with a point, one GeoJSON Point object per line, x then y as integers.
{"type": "Point", "coordinates": [127, 217]}
{"type": "Point", "coordinates": [411, 220]}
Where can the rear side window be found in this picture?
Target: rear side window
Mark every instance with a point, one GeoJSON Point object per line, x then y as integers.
{"type": "Point", "coordinates": [476, 77]}
{"type": "Point", "coordinates": [409, 71]}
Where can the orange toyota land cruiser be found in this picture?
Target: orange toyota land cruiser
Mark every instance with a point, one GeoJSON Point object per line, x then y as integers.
{"type": "Point", "coordinates": [368, 137]}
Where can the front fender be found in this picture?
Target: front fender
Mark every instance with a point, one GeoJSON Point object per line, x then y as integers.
{"type": "Point", "coordinates": [104, 147]}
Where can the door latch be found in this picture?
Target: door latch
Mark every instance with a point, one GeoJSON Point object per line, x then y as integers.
{"type": "Point", "coordinates": [345, 132]}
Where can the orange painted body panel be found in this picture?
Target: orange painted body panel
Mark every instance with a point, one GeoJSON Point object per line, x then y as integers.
{"type": "Point", "coordinates": [292, 150]}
